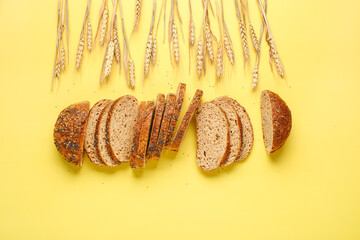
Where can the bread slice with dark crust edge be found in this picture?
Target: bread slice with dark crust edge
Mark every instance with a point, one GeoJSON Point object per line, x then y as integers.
{"type": "Point", "coordinates": [136, 137]}
{"type": "Point", "coordinates": [247, 134]}
{"type": "Point", "coordinates": [120, 127]}
{"type": "Point", "coordinates": [276, 120]}
{"type": "Point", "coordinates": [90, 144]}
{"type": "Point", "coordinates": [234, 129]}
{"type": "Point", "coordinates": [158, 115]}
{"type": "Point", "coordinates": [102, 140]}
{"type": "Point", "coordinates": [69, 132]}
{"type": "Point", "coordinates": [185, 122]}
{"type": "Point", "coordinates": [180, 94]}
{"type": "Point", "coordinates": [212, 136]}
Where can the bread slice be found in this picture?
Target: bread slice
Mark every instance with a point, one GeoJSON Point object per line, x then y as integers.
{"type": "Point", "coordinates": [234, 129]}
{"type": "Point", "coordinates": [101, 139]}
{"type": "Point", "coordinates": [90, 144]}
{"type": "Point", "coordinates": [185, 122]}
{"type": "Point", "coordinates": [120, 127]}
{"type": "Point", "coordinates": [137, 129]}
{"type": "Point", "coordinates": [165, 125]}
{"type": "Point", "coordinates": [276, 120]}
{"type": "Point", "coordinates": [155, 129]}
{"type": "Point", "coordinates": [180, 94]}
{"type": "Point", "coordinates": [213, 138]}
{"type": "Point", "coordinates": [69, 132]}
{"type": "Point", "coordinates": [247, 135]}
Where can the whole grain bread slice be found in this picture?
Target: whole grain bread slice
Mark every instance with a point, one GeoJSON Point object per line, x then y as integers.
{"type": "Point", "coordinates": [185, 122]}
{"type": "Point", "coordinates": [90, 144]}
{"type": "Point", "coordinates": [180, 94]}
{"type": "Point", "coordinates": [276, 120]}
{"type": "Point", "coordinates": [212, 135]}
{"type": "Point", "coordinates": [120, 127]}
{"type": "Point", "coordinates": [234, 129]}
{"type": "Point", "coordinates": [101, 139]}
{"type": "Point", "coordinates": [247, 135]}
{"type": "Point", "coordinates": [137, 129]}
{"type": "Point", "coordinates": [70, 130]}
{"type": "Point", "coordinates": [158, 115]}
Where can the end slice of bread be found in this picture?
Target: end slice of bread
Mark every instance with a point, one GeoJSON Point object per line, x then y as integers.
{"type": "Point", "coordinates": [213, 138]}
{"type": "Point", "coordinates": [276, 120]}
{"type": "Point", "coordinates": [70, 130]}
{"type": "Point", "coordinates": [90, 144]}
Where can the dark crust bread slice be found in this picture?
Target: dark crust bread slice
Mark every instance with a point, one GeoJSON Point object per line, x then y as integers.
{"type": "Point", "coordinates": [70, 130]}
{"type": "Point", "coordinates": [281, 120]}
{"type": "Point", "coordinates": [180, 94]}
{"type": "Point", "coordinates": [137, 129]}
{"type": "Point", "coordinates": [247, 134]}
{"type": "Point", "coordinates": [185, 122]}
{"type": "Point", "coordinates": [90, 144]}
{"type": "Point", "coordinates": [165, 125]}
{"type": "Point", "coordinates": [234, 129]}
{"type": "Point", "coordinates": [159, 111]}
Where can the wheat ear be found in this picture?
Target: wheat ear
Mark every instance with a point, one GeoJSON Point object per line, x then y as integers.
{"type": "Point", "coordinates": [117, 50]}
{"type": "Point", "coordinates": [154, 51]}
{"type": "Point", "coordinates": [62, 59]}
{"type": "Point", "coordinates": [199, 57]}
{"type": "Point", "coordinates": [243, 35]}
{"type": "Point", "coordinates": [148, 50]}
{"type": "Point", "coordinates": [88, 33]}
{"type": "Point", "coordinates": [104, 24]}
{"type": "Point", "coordinates": [109, 58]}
{"type": "Point", "coordinates": [254, 38]}
{"type": "Point", "coordinates": [192, 33]}
{"type": "Point", "coordinates": [208, 38]}
{"type": "Point", "coordinates": [176, 42]}
{"type": "Point", "coordinates": [137, 15]}
{"type": "Point", "coordinates": [255, 76]}
{"type": "Point", "coordinates": [80, 50]}
{"type": "Point", "coordinates": [132, 73]}
{"type": "Point", "coordinates": [219, 61]}
{"type": "Point", "coordinates": [276, 58]}
{"type": "Point", "coordinates": [220, 50]}
{"type": "Point", "coordinates": [58, 69]}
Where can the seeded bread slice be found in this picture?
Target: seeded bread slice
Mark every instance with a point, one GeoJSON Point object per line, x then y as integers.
{"type": "Point", "coordinates": [70, 130]}
{"type": "Point", "coordinates": [158, 115]}
{"type": "Point", "coordinates": [213, 138]}
{"type": "Point", "coordinates": [276, 120]}
{"type": "Point", "coordinates": [180, 94]}
{"type": "Point", "coordinates": [234, 129]}
{"type": "Point", "coordinates": [247, 135]}
{"type": "Point", "coordinates": [185, 122]}
{"type": "Point", "coordinates": [90, 144]}
{"type": "Point", "coordinates": [137, 129]}
{"type": "Point", "coordinates": [102, 140]}
{"type": "Point", "coordinates": [120, 127]}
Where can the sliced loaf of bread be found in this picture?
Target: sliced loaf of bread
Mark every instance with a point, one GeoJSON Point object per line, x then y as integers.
{"type": "Point", "coordinates": [90, 144]}
{"type": "Point", "coordinates": [70, 130]}
{"type": "Point", "coordinates": [213, 138]}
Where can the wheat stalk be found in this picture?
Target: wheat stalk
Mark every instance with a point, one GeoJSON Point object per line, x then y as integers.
{"type": "Point", "coordinates": [148, 50]}
{"type": "Point", "coordinates": [154, 51]}
{"type": "Point", "coordinates": [243, 34]}
{"type": "Point", "coordinates": [229, 49]}
{"type": "Point", "coordinates": [200, 57]}
{"type": "Point", "coordinates": [88, 33]}
{"type": "Point", "coordinates": [220, 49]}
{"type": "Point", "coordinates": [109, 58]}
{"type": "Point", "coordinates": [117, 50]}
{"type": "Point", "coordinates": [208, 38]}
{"type": "Point", "coordinates": [80, 50]}
{"type": "Point", "coordinates": [132, 73]}
{"type": "Point", "coordinates": [104, 24]}
{"type": "Point", "coordinates": [192, 33]}
{"type": "Point", "coordinates": [254, 38]}
{"type": "Point", "coordinates": [176, 42]}
{"type": "Point", "coordinates": [62, 59]}
{"type": "Point", "coordinates": [219, 61]}
{"type": "Point", "coordinates": [137, 15]}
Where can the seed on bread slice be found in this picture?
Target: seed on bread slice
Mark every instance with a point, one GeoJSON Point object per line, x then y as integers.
{"type": "Point", "coordinates": [185, 122]}
{"type": "Point", "coordinates": [155, 129]}
{"type": "Point", "coordinates": [137, 129]}
{"type": "Point", "coordinates": [70, 130]}
{"type": "Point", "coordinates": [276, 120]}
{"type": "Point", "coordinates": [120, 127]}
{"type": "Point", "coordinates": [101, 139]}
{"type": "Point", "coordinates": [90, 144]}
{"type": "Point", "coordinates": [234, 129]}
{"type": "Point", "coordinates": [180, 94]}
{"type": "Point", "coordinates": [213, 138]}
{"type": "Point", "coordinates": [247, 135]}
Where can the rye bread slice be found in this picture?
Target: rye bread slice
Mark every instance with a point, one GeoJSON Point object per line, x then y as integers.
{"type": "Point", "coordinates": [276, 120]}
{"type": "Point", "coordinates": [120, 127]}
{"type": "Point", "coordinates": [90, 144]}
{"type": "Point", "coordinates": [155, 129]}
{"type": "Point", "coordinates": [212, 135]}
{"type": "Point", "coordinates": [137, 129]}
{"type": "Point", "coordinates": [185, 122]}
{"type": "Point", "coordinates": [247, 135]}
{"type": "Point", "coordinates": [70, 130]}
{"type": "Point", "coordinates": [101, 139]}
{"type": "Point", "coordinates": [180, 94]}
{"type": "Point", "coordinates": [234, 129]}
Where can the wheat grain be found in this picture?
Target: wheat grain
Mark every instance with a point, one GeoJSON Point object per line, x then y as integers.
{"type": "Point", "coordinates": [58, 69]}
{"type": "Point", "coordinates": [209, 47]}
{"type": "Point", "coordinates": [148, 50]}
{"type": "Point", "coordinates": [255, 76]}
{"type": "Point", "coordinates": [276, 58]}
{"type": "Point", "coordinates": [80, 50]}
{"type": "Point", "coordinates": [89, 33]}
{"type": "Point", "coordinates": [62, 59]}
{"type": "Point", "coordinates": [109, 58]}
{"type": "Point", "coordinates": [117, 50]}
{"type": "Point", "coordinates": [137, 15]}
{"type": "Point", "coordinates": [254, 38]}
{"type": "Point", "coordinates": [244, 41]}
{"type": "Point", "coordinates": [131, 73]}
{"type": "Point", "coordinates": [154, 51]}
{"type": "Point", "coordinates": [199, 57]}
{"type": "Point", "coordinates": [229, 49]}
{"type": "Point", "coordinates": [192, 33]}
{"type": "Point", "coordinates": [219, 61]}
{"type": "Point", "coordinates": [104, 24]}
{"type": "Point", "coordinates": [176, 42]}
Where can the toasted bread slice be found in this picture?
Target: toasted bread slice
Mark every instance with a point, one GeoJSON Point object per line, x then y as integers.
{"type": "Point", "coordinates": [185, 122]}
{"type": "Point", "coordinates": [234, 129]}
{"type": "Point", "coordinates": [134, 162]}
{"type": "Point", "coordinates": [70, 130]}
{"type": "Point", "coordinates": [90, 144]}
{"type": "Point", "coordinates": [180, 94]}
{"type": "Point", "coordinates": [276, 120]}
{"type": "Point", "coordinates": [213, 138]}
{"type": "Point", "coordinates": [120, 127]}
{"type": "Point", "coordinates": [158, 115]}
{"type": "Point", "coordinates": [247, 135]}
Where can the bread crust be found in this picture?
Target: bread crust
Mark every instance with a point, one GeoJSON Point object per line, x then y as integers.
{"type": "Point", "coordinates": [185, 122]}
{"type": "Point", "coordinates": [134, 163]}
{"type": "Point", "coordinates": [69, 132]}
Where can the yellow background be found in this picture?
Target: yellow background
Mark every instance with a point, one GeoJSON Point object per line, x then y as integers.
{"type": "Point", "coordinates": [308, 190]}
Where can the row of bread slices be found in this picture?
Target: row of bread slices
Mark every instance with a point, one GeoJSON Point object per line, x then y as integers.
{"type": "Point", "coordinates": [123, 130]}
{"type": "Point", "coordinates": [224, 131]}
